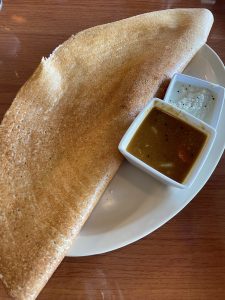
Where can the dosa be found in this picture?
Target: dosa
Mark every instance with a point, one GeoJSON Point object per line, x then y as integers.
{"type": "Point", "coordinates": [59, 139]}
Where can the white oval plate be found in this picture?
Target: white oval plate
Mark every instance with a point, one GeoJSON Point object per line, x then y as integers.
{"type": "Point", "coordinates": [135, 204]}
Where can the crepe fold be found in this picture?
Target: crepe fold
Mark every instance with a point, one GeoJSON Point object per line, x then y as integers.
{"type": "Point", "coordinates": [59, 139]}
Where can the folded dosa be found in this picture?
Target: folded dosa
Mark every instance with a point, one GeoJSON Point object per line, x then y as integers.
{"type": "Point", "coordinates": [59, 139]}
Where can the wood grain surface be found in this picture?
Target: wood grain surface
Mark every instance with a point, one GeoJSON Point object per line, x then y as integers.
{"type": "Point", "coordinates": [184, 259]}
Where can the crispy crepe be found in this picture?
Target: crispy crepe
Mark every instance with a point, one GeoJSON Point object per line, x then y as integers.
{"type": "Point", "coordinates": [59, 139]}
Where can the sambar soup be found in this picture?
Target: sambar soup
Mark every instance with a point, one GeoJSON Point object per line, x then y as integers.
{"type": "Point", "coordinates": [168, 144]}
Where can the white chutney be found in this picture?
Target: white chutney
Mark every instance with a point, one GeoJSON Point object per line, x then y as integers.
{"type": "Point", "coordinates": [195, 100]}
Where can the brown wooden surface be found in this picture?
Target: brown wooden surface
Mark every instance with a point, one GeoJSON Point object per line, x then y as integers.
{"type": "Point", "coordinates": [185, 259]}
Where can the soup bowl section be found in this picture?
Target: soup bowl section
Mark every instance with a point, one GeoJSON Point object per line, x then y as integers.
{"type": "Point", "coordinates": [184, 118]}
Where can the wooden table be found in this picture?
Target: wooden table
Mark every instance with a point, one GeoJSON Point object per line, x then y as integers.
{"type": "Point", "coordinates": [185, 259]}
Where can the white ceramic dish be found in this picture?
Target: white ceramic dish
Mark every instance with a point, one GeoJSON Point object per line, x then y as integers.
{"type": "Point", "coordinates": [217, 90]}
{"type": "Point", "coordinates": [135, 204]}
{"type": "Point", "coordinates": [164, 106]}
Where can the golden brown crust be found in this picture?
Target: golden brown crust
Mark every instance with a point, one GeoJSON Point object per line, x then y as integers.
{"type": "Point", "coordinates": [58, 140]}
